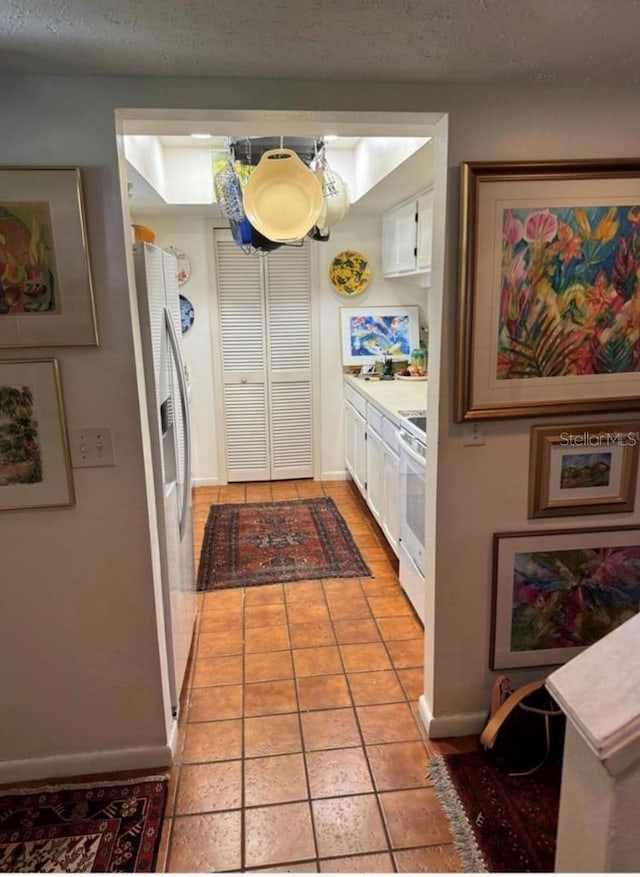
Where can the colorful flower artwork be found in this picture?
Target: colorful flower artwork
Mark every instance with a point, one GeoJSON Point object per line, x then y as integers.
{"type": "Point", "coordinates": [568, 598]}
{"type": "Point", "coordinates": [570, 292]}
{"type": "Point", "coordinates": [26, 259]}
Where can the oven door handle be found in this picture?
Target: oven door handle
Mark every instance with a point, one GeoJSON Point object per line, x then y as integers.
{"type": "Point", "coordinates": [408, 450]}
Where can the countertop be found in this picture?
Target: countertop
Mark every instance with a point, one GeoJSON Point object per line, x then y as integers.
{"type": "Point", "coordinates": [392, 396]}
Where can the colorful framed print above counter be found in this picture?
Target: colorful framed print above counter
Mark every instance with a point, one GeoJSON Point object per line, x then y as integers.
{"type": "Point", "coordinates": [549, 296]}
{"type": "Point", "coordinates": [35, 466]}
{"type": "Point", "coordinates": [555, 592]}
{"type": "Point", "coordinates": [46, 296]}
{"type": "Point", "coordinates": [583, 468]}
{"type": "Point", "coordinates": [371, 333]}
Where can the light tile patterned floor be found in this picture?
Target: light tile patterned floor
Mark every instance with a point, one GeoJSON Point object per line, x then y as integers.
{"type": "Point", "coordinates": [300, 744]}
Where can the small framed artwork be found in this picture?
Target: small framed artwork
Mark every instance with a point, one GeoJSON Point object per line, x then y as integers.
{"type": "Point", "coordinates": [555, 592]}
{"type": "Point", "coordinates": [46, 296]}
{"type": "Point", "coordinates": [583, 469]}
{"type": "Point", "coordinates": [369, 333]}
{"type": "Point", "coordinates": [35, 467]}
{"type": "Point", "coordinates": [549, 266]}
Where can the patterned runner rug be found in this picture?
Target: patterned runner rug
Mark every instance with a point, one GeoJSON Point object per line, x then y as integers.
{"type": "Point", "coordinates": [499, 823]}
{"type": "Point", "coordinates": [105, 828]}
{"type": "Point", "coordinates": [260, 543]}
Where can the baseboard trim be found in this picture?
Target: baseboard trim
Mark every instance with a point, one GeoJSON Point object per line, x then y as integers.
{"type": "Point", "coordinates": [340, 475]}
{"type": "Point", "coordinates": [205, 482]}
{"type": "Point", "coordinates": [455, 725]}
{"type": "Point", "coordinates": [83, 763]}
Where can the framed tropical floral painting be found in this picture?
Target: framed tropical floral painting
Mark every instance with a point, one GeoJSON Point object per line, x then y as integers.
{"type": "Point", "coordinates": [549, 299]}
{"type": "Point", "coordinates": [583, 468]}
{"type": "Point", "coordinates": [35, 467]}
{"type": "Point", "coordinates": [46, 296]}
{"type": "Point", "coordinates": [555, 592]}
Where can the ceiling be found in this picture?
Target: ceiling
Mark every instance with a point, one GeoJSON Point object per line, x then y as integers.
{"type": "Point", "coordinates": [573, 42]}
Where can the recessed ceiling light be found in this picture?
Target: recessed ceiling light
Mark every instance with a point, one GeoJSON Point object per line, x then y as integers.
{"type": "Point", "coordinates": [201, 136]}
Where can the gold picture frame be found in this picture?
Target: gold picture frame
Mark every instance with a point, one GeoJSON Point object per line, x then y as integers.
{"type": "Point", "coordinates": [548, 288]}
{"type": "Point", "coordinates": [46, 294]}
{"type": "Point", "coordinates": [583, 468]}
{"type": "Point", "coordinates": [539, 578]}
{"type": "Point", "coordinates": [35, 464]}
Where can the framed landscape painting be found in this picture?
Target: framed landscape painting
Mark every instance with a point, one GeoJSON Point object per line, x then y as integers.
{"type": "Point", "coordinates": [35, 468]}
{"type": "Point", "coordinates": [46, 296]}
{"type": "Point", "coordinates": [556, 592]}
{"type": "Point", "coordinates": [549, 298]}
{"type": "Point", "coordinates": [583, 469]}
{"type": "Point", "coordinates": [370, 333]}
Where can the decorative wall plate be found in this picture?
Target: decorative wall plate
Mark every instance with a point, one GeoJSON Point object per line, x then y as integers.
{"type": "Point", "coordinates": [349, 272]}
{"type": "Point", "coordinates": [184, 265]}
{"type": "Point", "coordinates": [187, 314]}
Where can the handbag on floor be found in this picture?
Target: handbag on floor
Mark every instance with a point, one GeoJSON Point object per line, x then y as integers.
{"type": "Point", "coordinates": [525, 727]}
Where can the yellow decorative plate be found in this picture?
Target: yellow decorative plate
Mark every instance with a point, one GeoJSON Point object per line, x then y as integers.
{"type": "Point", "coordinates": [349, 272]}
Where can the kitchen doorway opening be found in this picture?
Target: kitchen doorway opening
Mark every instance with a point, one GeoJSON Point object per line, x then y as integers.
{"type": "Point", "coordinates": [189, 223]}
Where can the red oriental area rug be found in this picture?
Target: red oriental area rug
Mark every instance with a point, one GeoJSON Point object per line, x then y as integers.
{"type": "Point", "coordinates": [106, 828]}
{"type": "Point", "coordinates": [500, 823]}
{"type": "Point", "coordinates": [260, 543]}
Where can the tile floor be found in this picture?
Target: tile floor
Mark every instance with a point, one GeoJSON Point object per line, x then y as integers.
{"type": "Point", "coordinates": [300, 747]}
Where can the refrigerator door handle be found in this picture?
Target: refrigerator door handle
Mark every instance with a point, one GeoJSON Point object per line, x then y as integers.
{"type": "Point", "coordinates": [184, 405]}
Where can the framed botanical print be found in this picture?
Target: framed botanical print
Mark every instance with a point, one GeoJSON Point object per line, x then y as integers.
{"type": "Point", "coordinates": [583, 469]}
{"type": "Point", "coordinates": [555, 592]}
{"type": "Point", "coordinates": [35, 466]}
{"type": "Point", "coordinates": [549, 320]}
{"type": "Point", "coordinates": [46, 296]}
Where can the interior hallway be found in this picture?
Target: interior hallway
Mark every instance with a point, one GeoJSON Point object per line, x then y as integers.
{"type": "Point", "coordinates": [300, 746]}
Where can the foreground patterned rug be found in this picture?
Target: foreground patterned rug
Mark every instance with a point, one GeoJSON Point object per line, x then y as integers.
{"type": "Point", "coordinates": [259, 543]}
{"type": "Point", "coordinates": [106, 828]}
{"type": "Point", "coordinates": [499, 823]}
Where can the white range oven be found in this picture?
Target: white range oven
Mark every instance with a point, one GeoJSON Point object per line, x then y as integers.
{"type": "Point", "coordinates": [412, 450]}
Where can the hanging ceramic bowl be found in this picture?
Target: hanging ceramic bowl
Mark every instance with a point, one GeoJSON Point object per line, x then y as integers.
{"type": "Point", "coordinates": [349, 272]}
{"type": "Point", "coordinates": [282, 198]}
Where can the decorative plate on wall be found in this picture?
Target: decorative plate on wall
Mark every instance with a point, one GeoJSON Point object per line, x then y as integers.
{"type": "Point", "coordinates": [184, 265]}
{"type": "Point", "coordinates": [349, 272]}
{"type": "Point", "coordinates": [187, 314]}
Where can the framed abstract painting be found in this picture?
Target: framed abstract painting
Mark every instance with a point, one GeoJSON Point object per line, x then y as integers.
{"type": "Point", "coordinates": [583, 468]}
{"type": "Point", "coordinates": [555, 592]}
{"type": "Point", "coordinates": [549, 296]}
{"type": "Point", "coordinates": [46, 297]}
{"type": "Point", "coordinates": [35, 467]}
{"type": "Point", "coordinates": [370, 333]}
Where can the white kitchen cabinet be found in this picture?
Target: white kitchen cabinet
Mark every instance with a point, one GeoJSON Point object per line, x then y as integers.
{"type": "Point", "coordinates": [424, 232]}
{"type": "Point", "coordinates": [355, 442]}
{"type": "Point", "coordinates": [372, 460]}
{"type": "Point", "coordinates": [391, 497]}
{"type": "Point", "coordinates": [406, 236]}
{"type": "Point", "coordinates": [375, 473]}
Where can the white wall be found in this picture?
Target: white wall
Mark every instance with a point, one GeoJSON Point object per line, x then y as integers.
{"type": "Point", "coordinates": [81, 666]}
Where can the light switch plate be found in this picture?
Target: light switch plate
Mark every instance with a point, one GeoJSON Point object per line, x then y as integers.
{"type": "Point", "coordinates": [91, 446]}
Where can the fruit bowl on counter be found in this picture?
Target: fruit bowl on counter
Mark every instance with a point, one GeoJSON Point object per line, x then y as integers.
{"type": "Point", "coordinates": [403, 377]}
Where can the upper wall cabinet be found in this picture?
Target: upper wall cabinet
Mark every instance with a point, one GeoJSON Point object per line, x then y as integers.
{"type": "Point", "coordinates": [406, 236]}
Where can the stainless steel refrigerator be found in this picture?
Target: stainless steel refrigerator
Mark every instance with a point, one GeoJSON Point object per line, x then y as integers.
{"type": "Point", "coordinates": [168, 409]}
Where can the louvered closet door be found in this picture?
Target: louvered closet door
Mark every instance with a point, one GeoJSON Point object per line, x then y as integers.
{"type": "Point", "coordinates": [244, 361]}
{"type": "Point", "coordinates": [265, 328]}
{"type": "Point", "coordinates": [288, 288]}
